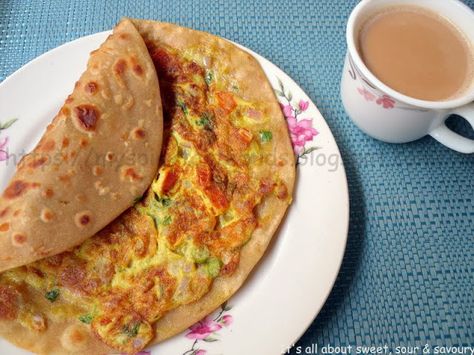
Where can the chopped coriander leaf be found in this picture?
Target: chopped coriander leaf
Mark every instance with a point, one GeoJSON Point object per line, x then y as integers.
{"type": "Point", "coordinates": [164, 201]}
{"type": "Point", "coordinates": [208, 77]}
{"type": "Point", "coordinates": [52, 295]}
{"type": "Point", "coordinates": [86, 318]}
{"type": "Point", "coordinates": [266, 136]}
{"type": "Point", "coordinates": [182, 106]}
{"type": "Point", "coordinates": [131, 330]}
{"type": "Point", "coordinates": [166, 221]}
{"type": "Point", "coordinates": [204, 121]}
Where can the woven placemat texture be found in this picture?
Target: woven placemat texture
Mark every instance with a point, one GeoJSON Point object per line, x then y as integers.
{"type": "Point", "coordinates": [408, 272]}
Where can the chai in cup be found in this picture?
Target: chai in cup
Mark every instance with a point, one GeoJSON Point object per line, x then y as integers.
{"type": "Point", "coordinates": [417, 52]}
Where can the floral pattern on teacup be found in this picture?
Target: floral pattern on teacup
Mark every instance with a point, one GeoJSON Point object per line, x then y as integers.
{"type": "Point", "coordinates": [385, 101]}
{"type": "Point", "coordinates": [372, 94]}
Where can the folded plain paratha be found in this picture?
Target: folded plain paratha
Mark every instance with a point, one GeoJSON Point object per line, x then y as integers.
{"type": "Point", "coordinates": [100, 152]}
{"type": "Point", "coordinates": [225, 182]}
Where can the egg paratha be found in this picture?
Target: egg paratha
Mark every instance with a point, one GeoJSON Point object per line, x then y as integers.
{"type": "Point", "coordinates": [224, 184]}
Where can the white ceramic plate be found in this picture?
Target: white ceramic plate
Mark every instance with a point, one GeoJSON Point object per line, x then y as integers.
{"type": "Point", "coordinates": [290, 285]}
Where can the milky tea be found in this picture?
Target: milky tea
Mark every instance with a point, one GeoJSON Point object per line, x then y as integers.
{"type": "Point", "coordinates": [417, 52]}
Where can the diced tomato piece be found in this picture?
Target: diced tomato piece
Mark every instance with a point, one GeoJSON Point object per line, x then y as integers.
{"type": "Point", "coordinates": [245, 136]}
{"type": "Point", "coordinates": [169, 181]}
{"type": "Point", "coordinates": [104, 320]}
{"type": "Point", "coordinates": [217, 197]}
{"type": "Point", "coordinates": [226, 101]}
{"type": "Point", "coordinates": [204, 174]}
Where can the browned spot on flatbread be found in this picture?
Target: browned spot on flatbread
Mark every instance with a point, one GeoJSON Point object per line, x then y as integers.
{"type": "Point", "coordinates": [47, 193]}
{"type": "Point", "coordinates": [19, 239]}
{"type": "Point", "coordinates": [91, 87]}
{"type": "Point", "coordinates": [77, 85]}
{"type": "Point", "coordinates": [131, 174]}
{"type": "Point", "coordinates": [4, 212]}
{"type": "Point", "coordinates": [4, 227]}
{"type": "Point", "coordinates": [16, 213]}
{"type": "Point", "coordinates": [137, 68]}
{"type": "Point", "coordinates": [83, 219]}
{"type": "Point", "coordinates": [109, 156]}
{"type": "Point", "coordinates": [69, 99]}
{"type": "Point", "coordinates": [65, 142]}
{"type": "Point", "coordinates": [120, 67]}
{"type": "Point", "coordinates": [83, 142]}
{"type": "Point", "coordinates": [36, 163]}
{"type": "Point", "coordinates": [47, 145]}
{"type": "Point", "coordinates": [97, 170]}
{"type": "Point", "coordinates": [123, 36]}
{"type": "Point", "coordinates": [47, 215]}
{"type": "Point", "coordinates": [138, 133]}
{"type": "Point", "coordinates": [16, 189]}
{"type": "Point", "coordinates": [86, 117]}
{"type": "Point", "coordinates": [66, 111]}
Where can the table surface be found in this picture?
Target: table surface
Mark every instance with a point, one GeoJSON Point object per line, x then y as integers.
{"type": "Point", "coordinates": [407, 276]}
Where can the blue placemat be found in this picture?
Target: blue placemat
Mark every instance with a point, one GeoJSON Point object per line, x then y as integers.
{"type": "Point", "coordinates": [408, 273]}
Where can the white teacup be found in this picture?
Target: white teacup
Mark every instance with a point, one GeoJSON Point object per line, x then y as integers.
{"type": "Point", "coordinates": [388, 115]}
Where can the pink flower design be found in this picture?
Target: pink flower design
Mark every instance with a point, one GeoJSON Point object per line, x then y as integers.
{"type": "Point", "coordinates": [3, 150]}
{"type": "Point", "coordinates": [206, 330]}
{"type": "Point", "coordinates": [303, 105]}
{"type": "Point", "coordinates": [227, 320]}
{"type": "Point", "coordinates": [301, 132]}
{"type": "Point", "coordinates": [366, 94]}
{"type": "Point", "coordinates": [287, 111]}
{"type": "Point", "coordinates": [203, 329]}
{"type": "Point", "coordinates": [386, 101]}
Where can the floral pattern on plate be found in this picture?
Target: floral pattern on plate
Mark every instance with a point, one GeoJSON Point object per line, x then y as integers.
{"type": "Point", "coordinates": [5, 139]}
{"type": "Point", "coordinates": [207, 329]}
{"type": "Point", "coordinates": [301, 129]}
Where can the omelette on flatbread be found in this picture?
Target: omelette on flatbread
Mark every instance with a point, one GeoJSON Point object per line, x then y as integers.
{"type": "Point", "coordinates": [225, 181]}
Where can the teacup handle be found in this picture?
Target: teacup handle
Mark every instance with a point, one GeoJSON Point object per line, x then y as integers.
{"type": "Point", "coordinates": [453, 140]}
